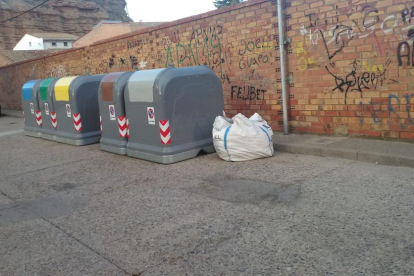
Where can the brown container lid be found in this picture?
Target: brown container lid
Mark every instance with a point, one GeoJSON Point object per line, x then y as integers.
{"type": "Point", "coordinates": [107, 86]}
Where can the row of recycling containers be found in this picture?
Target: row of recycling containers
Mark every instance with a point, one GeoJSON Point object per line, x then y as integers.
{"type": "Point", "coordinates": [161, 115]}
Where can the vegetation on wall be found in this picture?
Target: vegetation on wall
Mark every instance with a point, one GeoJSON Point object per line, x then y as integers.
{"type": "Point", "coordinates": [225, 3]}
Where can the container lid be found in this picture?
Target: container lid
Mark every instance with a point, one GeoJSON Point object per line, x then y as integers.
{"type": "Point", "coordinates": [62, 89]}
{"type": "Point", "coordinates": [107, 86]}
{"type": "Point", "coordinates": [140, 85]}
{"type": "Point", "coordinates": [43, 88]}
{"type": "Point", "coordinates": [27, 90]}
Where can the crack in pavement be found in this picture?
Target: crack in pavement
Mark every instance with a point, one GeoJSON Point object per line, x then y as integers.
{"type": "Point", "coordinates": [4, 194]}
{"type": "Point", "coordinates": [14, 206]}
{"type": "Point", "coordinates": [166, 261]}
{"type": "Point", "coordinates": [142, 272]}
{"type": "Point", "coordinates": [8, 197]}
{"type": "Point", "coordinates": [86, 246]}
{"type": "Point", "coordinates": [192, 251]}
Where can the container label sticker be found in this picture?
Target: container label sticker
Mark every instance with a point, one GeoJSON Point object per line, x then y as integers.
{"type": "Point", "coordinates": [112, 112]}
{"type": "Point", "coordinates": [151, 115]}
{"type": "Point", "coordinates": [68, 112]}
{"type": "Point", "coordinates": [31, 108]}
{"type": "Point", "coordinates": [47, 108]}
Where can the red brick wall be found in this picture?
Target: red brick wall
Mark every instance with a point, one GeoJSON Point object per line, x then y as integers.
{"type": "Point", "coordinates": [350, 62]}
{"type": "Point", "coordinates": [353, 67]}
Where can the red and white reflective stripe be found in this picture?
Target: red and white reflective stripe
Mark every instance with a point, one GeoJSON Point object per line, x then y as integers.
{"type": "Point", "coordinates": [224, 113]}
{"type": "Point", "coordinates": [77, 121]}
{"type": "Point", "coordinates": [39, 118]}
{"type": "Point", "coordinates": [100, 122]}
{"type": "Point", "coordinates": [24, 119]}
{"type": "Point", "coordinates": [122, 126]}
{"type": "Point", "coordinates": [53, 119]}
{"type": "Point", "coordinates": [165, 132]}
{"type": "Point", "coordinates": [127, 123]}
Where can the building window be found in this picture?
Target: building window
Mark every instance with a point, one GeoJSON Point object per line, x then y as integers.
{"type": "Point", "coordinates": [53, 43]}
{"type": "Point", "coordinates": [30, 44]}
{"type": "Point", "coordinates": [65, 44]}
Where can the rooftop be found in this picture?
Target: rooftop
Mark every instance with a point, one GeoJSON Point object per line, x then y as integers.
{"type": "Point", "coordinates": [55, 36]}
{"type": "Point", "coordinates": [108, 29]}
{"type": "Point", "coordinates": [17, 56]}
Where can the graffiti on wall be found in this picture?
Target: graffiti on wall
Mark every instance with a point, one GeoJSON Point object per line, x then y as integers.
{"type": "Point", "coordinates": [397, 110]}
{"type": "Point", "coordinates": [360, 81]}
{"type": "Point", "coordinates": [118, 63]}
{"type": "Point", "coordinates": [405, 52]}
{"type": "Point", "coordinates": [305, 60]}
{"type": "Point", "coordinates": [169, 40]}
{"type": "Point", "coordinates": [138, 43]}
{"type": "Point", "coordinates": [252, 52]}
{"type": "Point", "coordinates": [40, 71]}
{"type": "Point", "coordinates": [218, 56]}
{"type": "Point", "coordinates": [248, 93]}
{"type": "Point", "coordinates": [58, 71]}
{"type": "Point", "coordinates": [372, 21]}
{"type": "Point", "coordinates": [336, 36]}
{"type": "Point", "coordinates": [205, 45]}
{"type": "Point", "coordinates": [258, 79]}
{"type": "Point", "coordinates": [202, 34]}
{"type": "Point", "coordinates": [209, 53]}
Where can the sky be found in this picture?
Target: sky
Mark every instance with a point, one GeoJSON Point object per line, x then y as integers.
{"type": "Point", "coordinates": [166, 10]}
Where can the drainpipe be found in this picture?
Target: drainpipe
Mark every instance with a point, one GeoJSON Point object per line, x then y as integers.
{"type": "Point", "coordinates": [282, 42]}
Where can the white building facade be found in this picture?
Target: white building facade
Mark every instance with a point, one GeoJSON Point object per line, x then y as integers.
{"type": "Point", "coordinates": [45, 41]}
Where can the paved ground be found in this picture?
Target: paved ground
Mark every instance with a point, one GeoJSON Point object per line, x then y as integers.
{"type": "Point", "coordinates": [395, 153]}
{"type": "Point", "coordinates": [68, 210]}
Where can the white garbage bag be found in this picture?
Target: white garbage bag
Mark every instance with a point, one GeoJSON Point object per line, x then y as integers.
{"type": "Point", "coordinates": [242, 139]}
{"type": "Point", "coordinates": [257, 118]}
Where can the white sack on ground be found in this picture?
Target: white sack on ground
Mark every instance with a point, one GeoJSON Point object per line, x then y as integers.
{"type": "Point", "coordinates": [257, 118]}
{"type": "Point", "coordinates": [242, 139]}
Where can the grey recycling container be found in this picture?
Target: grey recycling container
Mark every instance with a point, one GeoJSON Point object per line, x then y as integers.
{"type": "Point", "coordinates": [46, 94]}
{"type": "Point", "coordinates": [32, 114]}
{"type": "Point", "coordinates": [171, 113]}
{"type": "Point", "coordinates": [77, 110]}
{"type": "Point", "coordinates": [114, 123]}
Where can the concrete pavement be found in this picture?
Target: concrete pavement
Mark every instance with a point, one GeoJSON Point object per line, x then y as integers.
{"type": "Point", "coordinates": [11, 120]}
{"type": "Point", "coordinates": [68, 210]}
{"type": "Point", "coordinates": [394, 153]}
